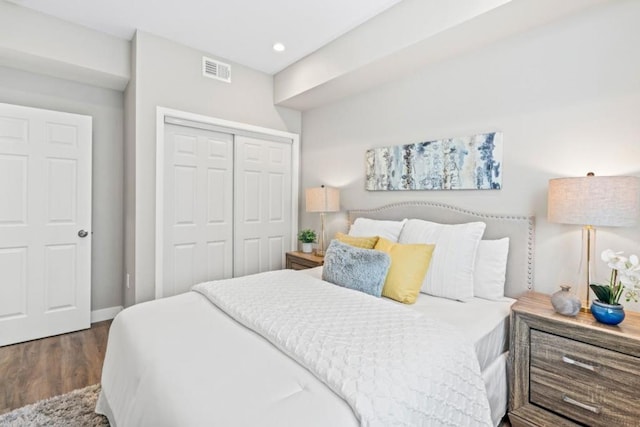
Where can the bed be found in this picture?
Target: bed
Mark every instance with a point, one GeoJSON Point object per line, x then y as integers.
{"type": "Point", "coordinates": [206, 357]}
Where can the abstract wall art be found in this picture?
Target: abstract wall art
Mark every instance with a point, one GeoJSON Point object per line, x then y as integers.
{"type": "Point", "coordinates": [464, 163]}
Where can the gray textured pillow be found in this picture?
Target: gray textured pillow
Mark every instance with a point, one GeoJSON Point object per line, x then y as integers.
{"type": "Point", "coordinates": [363, 270]}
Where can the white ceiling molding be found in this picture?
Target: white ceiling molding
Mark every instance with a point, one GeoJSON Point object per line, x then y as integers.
{"type": "Point", "coordinates": [75, 53]}
{"type": "Point", "coordinates": [340, 69]}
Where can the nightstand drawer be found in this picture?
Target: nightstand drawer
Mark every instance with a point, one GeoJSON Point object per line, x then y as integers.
{"type": "Point", "coordinates": [302, 261]}
{"type": "Point", "coordinates": [589, 384]}
{"type": "Point", "coordinates": [299, 266]}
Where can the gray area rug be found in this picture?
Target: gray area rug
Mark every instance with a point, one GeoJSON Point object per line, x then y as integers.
{"type": "Point", "coordinates": [74, 409]}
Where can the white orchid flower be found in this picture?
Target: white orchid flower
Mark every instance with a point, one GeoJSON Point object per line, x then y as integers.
{"type": "Point", "coordinates": [632, 269]}
{"type": "Point", "coordinates": [608, 254]}
{"type": "Point", "coordinates": [629, 280]}
{"type": "Point", "coordinates": [630, 277]}
{"type": "Point", "coordinates": [613, 259]}
{"type": "Point", "coordinates": [625, 273]}
{"type": "Point", "coordinates": [619, 263]}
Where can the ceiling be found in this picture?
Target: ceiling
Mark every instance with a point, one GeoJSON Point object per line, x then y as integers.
{"type": "Point", "coordinates": [241, 31]}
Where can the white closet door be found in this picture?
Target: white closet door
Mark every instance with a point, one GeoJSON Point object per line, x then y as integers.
{"type": "Point", "coordinates": [262, 205]}
{"type": "Point", "coordinates": [198, 207]}
{"type": "Point", "coordinates": [45, 202]}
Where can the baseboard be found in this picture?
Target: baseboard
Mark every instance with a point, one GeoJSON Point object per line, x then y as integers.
{"type": "Point", "coordinates": [105, 313]}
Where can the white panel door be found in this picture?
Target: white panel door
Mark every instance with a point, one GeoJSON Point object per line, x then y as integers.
{"type": "Point", "coordinates": [197, 207]}
{"type": "Point", "coordinates": [263, 200]}
{"type": "Point", "coordinates": [45, 208]}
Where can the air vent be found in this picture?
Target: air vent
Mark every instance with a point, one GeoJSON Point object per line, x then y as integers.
{"type": "Point", "coordinates": [216, 69]}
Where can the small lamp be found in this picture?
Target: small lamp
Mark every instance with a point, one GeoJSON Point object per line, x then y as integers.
{"type": "Point", "coordinates": [603, 201]}
{"type": "Point", "coordinates": [322, 199]}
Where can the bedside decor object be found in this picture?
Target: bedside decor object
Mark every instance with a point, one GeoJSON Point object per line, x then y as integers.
{"type": "Point", "coordinates": [625, 274]}
{"type": "Point", "coordinates": [593, 201]}
{"type": "Point", "coordinates": [462, 163]}
{"type": "Point", "coordinates": [323, 200]}
{"type": "Point", "coordinates": [564, 302]}
{"type": "Point", "coordinates": [609, 314]}
{"type": "Point", "coordinates": [307, 237]}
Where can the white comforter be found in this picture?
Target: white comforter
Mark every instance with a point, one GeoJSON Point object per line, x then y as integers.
{"type": "Point", "coordinates": [391, 365]}
{"type": "Point", "coordinates": [182, 362]}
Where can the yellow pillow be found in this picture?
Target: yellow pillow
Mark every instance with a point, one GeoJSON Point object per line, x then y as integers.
{"type": "Point", "coordinates": [409, 264]}
{"type": "Point", "coordinates": [358, 242]}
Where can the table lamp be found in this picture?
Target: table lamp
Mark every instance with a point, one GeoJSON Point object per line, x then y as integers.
{"type": "Point", "coordinates": [322, 199]}
{"type": "Point", "coordinates": [593, 201]}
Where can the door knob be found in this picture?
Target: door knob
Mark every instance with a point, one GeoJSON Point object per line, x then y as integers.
{"type": "Point", "coordinates": [82, 233]}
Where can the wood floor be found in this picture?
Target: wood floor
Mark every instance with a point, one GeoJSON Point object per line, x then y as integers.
{"type": "Point", "coordinates": [51, 366]}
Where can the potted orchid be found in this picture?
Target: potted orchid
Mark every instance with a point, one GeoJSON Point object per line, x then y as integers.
{"type": "Point", "coordinates": [625, 275]}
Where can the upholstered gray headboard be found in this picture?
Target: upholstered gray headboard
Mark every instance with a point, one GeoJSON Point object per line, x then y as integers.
{"type": "Point", "coordinates": [519, 229]}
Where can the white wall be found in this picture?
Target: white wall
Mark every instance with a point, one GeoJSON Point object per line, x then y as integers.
{"type": "Point", "coordinates": [566, 96]}
{"type": "Point", "coordinates": [168, 74]}
{"type": "Point", "coordinates": [106, 108]}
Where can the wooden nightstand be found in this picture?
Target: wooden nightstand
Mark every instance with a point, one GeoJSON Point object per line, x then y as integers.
{"type": "Point", "coordinates": [564, 371]}
{"type": "Point", "coordinates": [300, 261]}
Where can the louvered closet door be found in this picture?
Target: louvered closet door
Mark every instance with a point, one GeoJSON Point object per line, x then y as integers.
{"type": "Point", "coordinates": [198, 207]}
{"type": "Point", "coordinates": [262, 205]}
{"type": "Point", "coordinates": [45, 200]}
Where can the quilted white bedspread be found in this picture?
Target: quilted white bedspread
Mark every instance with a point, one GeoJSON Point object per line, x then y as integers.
{"type": "Point", "coordinates": [391, 365]}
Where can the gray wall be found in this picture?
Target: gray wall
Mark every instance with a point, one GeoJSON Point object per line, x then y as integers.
{"type": "Point", "coordinates": [168, 74]}
{"type": "Point", "coordinates": [566, 96]}
{"type": "Point", "coordinates": [106, 108]}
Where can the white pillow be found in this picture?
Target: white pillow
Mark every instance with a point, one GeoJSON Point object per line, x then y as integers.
{"type": "Point", "coordinates": [491, 269]}
{"type": "Point", "coordinates": [365, 227]}
{"type": "Point", "coordinates": [450, 273]}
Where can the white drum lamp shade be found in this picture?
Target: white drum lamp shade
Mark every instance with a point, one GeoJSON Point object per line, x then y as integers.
{"type": "Point", "coordinates": [322, 199]}
{"type": "Point", "coordinates": [602, 201]}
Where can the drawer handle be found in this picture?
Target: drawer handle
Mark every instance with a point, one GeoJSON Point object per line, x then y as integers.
{"type": "Point", "coordinates": [570, 361]}
{"type": "Point", "coordinates": [570, 401]}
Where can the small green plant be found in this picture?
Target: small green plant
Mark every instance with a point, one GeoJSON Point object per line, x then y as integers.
{"type": "Point", "coordinates": [307, 236]}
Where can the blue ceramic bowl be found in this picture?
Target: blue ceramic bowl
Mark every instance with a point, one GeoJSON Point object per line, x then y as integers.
{"type": "Point", "coordinates": [610, 314]}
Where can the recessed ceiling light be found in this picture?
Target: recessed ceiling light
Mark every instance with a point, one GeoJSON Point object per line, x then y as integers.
{"type": "Point", "coordinates": [278, 47]}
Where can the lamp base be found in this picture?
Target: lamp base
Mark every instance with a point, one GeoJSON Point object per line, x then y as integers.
{"type": "Point", "coordinates": [585, 310]}
{"type": "Point", "coordinates": [320, 248]}
{"type": "Point", "coordinates": [319, 253]}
